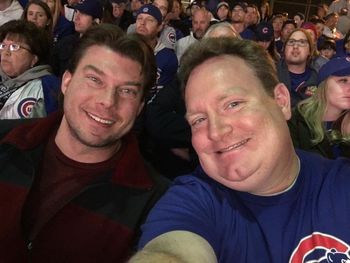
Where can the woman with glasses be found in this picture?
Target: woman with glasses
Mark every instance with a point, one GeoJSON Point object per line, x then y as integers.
{"type": "Point", "coordinates": [27, 86]}
{"type": "Point", "coordinates": [321, 123]}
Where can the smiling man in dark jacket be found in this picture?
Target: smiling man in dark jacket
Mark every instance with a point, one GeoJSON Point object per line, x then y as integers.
{"type": "Point", "coordinates": [73, 186]}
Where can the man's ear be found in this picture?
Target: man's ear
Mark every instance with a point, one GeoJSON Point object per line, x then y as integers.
{"type": "Point", "coordinates": [282, 97]}
{"type": "Point", "coordinates": [34, 60]}
{"type": "Point", "coordinates": [96, 21]}
{"type": "Point", "coordinates": [66, 78]}
{"type": "Point", "coordinates": [160, 28]}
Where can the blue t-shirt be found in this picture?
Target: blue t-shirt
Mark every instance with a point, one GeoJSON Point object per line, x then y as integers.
{"type": "Point", "coordinates": [311, 221]}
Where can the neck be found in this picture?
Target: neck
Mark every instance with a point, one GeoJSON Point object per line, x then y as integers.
{"type": "Point", "coordinates": [71, 146]}
{"type": "Point", "coordinates": [290, 171]}
{"type": "Point", "coordinates": [5, 4]}
{"type": "Point", "coordinates": [153, 42]}
{"type": "Point", "coordinates": [331, 114]}
{"type": "Point", "coordinates": [297, 69]}
{"type": "Point", "coordinates": [238, 26]}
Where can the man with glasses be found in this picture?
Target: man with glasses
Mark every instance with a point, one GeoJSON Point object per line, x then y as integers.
{"type": "Point", "coordinates": [294, 70]}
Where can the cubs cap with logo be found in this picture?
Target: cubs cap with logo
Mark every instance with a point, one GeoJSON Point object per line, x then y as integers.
{"type": "Point", "coordinates": [151, 10]}
{"type": "Point", "coordinates": [335, 67]}
{"type": "Point", "coordinates": [264, 32]}
{"type": "Point", "coordinates": [90, 7]}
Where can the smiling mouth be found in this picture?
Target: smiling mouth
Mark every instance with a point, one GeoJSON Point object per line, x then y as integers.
{"type": "Point", "coordinates": [100, 120]}
{"type": "Point", "coordinates": [234, 146]}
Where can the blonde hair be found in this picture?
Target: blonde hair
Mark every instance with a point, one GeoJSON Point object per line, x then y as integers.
{"type": "Point", "coordinates": [313, 110]}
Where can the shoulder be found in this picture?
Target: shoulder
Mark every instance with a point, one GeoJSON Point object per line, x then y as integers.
{"type": "Point", "coordinates": [328, 169]}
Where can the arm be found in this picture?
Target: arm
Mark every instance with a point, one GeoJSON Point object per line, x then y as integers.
{"type": "Point", "coordinates": [176, 247]}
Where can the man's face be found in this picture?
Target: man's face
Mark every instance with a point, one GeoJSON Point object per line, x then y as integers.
{"type": "Point", "coordinates": [222, 12]}
{"type": "Point", "coordinates": [332, 21]}
{"type": "Point", "coordinates": [327, 52]}
{"type": "Point", "coordinates": [118, 9]}
{"type": "Point", "coordinates": [277, 24]}
{"type": "Point", "coordinates": [135, 5]}
{"type": "Point", "coordinates": [296, 54]}
{"type": "Point", "coordinates": [288, 28]}
{"type": "Point", "coordinates": [298, 20]}
{"type": "Point", "coordinates": [234, 123]}
{"type": "Point", "coordinates": [101, 99]}
{"type": "Point", "coordinates": [238, 14]}
{"type": "Point", "coordinates": [82, 22]}
{"type": "Point", "coordinates": [251, 16]}
{"type": "Point", "coordinates": [162, 6]}
{"type": "Point", "coordinates": [147, 26]}
{"type": "Point", "coordinates": [319, 29]}
{"type": "Point", "coordinates": [200, 23]}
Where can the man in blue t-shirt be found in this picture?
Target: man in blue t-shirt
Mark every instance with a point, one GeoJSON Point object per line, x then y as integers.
{"type": "Point", "coordinates": [253, 198]}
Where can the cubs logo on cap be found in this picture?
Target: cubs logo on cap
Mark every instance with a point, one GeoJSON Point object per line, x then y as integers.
{"type": "Point", "coordinates": [151, 10]}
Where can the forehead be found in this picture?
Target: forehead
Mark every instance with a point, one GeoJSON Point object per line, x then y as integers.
{"type": "Point", "coordinates": [251, 9]}
{"type": "Point", "coordinates": [15, 37]}
{"type": "Point", "coordinates": [35, 7]}
{"type": "Point", "coordinates": [221, 76]}
{"type": "Point", "coordinates": [107, 59]}
{"type": "Point", "coordinates": [298, 35]}
{"type": "Point", "coordinates": [199, 16]}
{"type": "Point", "coordinates": [288, 27]}
{"type": "Point", "coordinates": [146, 16]}
{"type": "Point", "coordinates": [237, 8]}
{"type": "Point", "coordinates": [161, 3]}
{"type": "Point", "coordinates": [277, 20]}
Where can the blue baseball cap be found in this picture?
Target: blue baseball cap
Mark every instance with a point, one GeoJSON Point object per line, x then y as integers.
{"type": "Point", "coordinates": [264, 31]}
{"type": "Point", "coordinates": [335, 67]}
{"type": "Point", "coordinates": [90, 7]}
{"type": "Point", "coordinates": [151, 10]}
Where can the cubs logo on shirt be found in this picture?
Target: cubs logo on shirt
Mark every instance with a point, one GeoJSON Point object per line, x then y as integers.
{"type": "Point", "coordinates": [320, 247]}
{"type": "Point", "coordinates": [25, 107]}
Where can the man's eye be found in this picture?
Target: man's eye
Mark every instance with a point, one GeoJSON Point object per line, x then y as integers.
{"type": "Point", "coordinates": [94, 79]}
{"type": "Point", "coordinates": [233, 104]}
{"type": "Point", "coordinates": [343, 80]}
{"type": "Point", "coordinates": [127, 92]}
{"type": "Point", "coordinates": [197, 121]}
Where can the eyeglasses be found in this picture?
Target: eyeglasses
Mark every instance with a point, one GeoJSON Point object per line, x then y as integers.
{"type": "Point", "coordinates": [299, 43]}
{"type": "Point", "coordinates": [12, 47]}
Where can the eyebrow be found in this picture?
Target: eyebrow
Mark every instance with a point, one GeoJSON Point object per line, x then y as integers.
{"type": "Point", "coordinates": [100, 72]}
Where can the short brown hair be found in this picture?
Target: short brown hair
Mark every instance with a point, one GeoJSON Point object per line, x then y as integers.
{"type": "Point", "coordinates": [255, 57]}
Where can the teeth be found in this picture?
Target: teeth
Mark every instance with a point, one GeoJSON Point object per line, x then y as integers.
{"type": "Point", "coordinates": [103, 121]}
{"type": "Point", "coordinates": [233, 146]}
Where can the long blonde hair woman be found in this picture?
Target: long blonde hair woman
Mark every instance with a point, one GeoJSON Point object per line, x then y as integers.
{"type": "Point", "coordinates": [321, 123]}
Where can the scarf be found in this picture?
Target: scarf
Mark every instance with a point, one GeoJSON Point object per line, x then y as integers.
{"type": "Point", "coordinates": [10, 85]}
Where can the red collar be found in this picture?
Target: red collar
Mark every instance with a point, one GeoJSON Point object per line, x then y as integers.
{"type": "Point", "coordinates": [130, 170]}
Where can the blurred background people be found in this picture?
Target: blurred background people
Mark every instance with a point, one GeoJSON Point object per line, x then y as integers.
{"type": "Point", "coordinates": [264, 36]}
{"type": "Point", "coordinates": [39, 13]}
{"type": "Point", "coordinates": [321, 123]}
{"type": "Point", "coordinates": [299, 18]}
{"type": "Point", "coordinates": [28, 88]}
{"type": "Point", "coordinates": [9, 10]}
